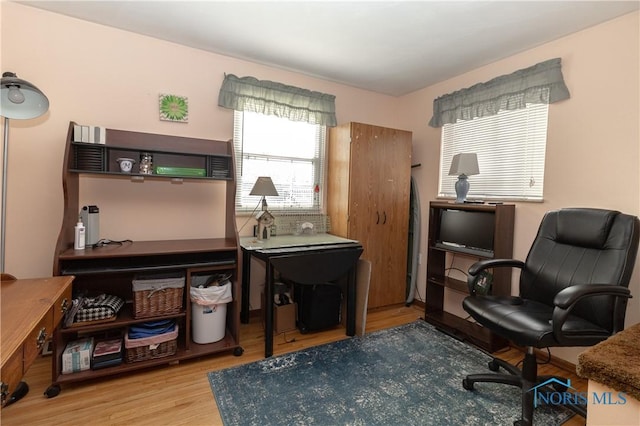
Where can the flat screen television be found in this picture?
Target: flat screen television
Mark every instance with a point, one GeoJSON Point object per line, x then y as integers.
{"type": "Point", "coordinates": [466, 231]}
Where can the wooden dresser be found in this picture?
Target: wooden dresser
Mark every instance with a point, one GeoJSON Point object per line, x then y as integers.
{"type": "Point", "coordinates": [31, 310]}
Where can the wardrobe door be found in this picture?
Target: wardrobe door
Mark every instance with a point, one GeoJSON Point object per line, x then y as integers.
{"type": "Point", "coordinates": [394, 185]}
{"type": "Point", "coordinates": [363, 202]}
{"type": "Point", "coordinates": [380, 170]}
{"type": "Point", "coordinates": [368, 201]}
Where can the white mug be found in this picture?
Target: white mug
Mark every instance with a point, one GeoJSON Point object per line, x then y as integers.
{"type": "Point", "coordinates": [126, 164]}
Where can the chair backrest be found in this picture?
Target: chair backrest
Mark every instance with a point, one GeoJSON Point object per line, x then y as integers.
{"type": "Point", "coordinates": [583, 246]}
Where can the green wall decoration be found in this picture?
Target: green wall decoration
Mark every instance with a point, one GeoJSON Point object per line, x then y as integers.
{"type": "Point", "coordinates": [174, 108]}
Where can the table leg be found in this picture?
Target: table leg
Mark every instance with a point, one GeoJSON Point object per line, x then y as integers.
{"type": "Point", "coordinates": [268, 311]}
{"type": "Point", "coordinates": [246, 285]}
{"type": "Point", "coordinates": [351, 302]}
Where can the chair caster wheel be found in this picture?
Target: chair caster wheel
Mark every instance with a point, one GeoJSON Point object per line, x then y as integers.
{"type": "Point", "coordinates": [493, 365]}
{"type": "Point", "coordinates": [52, 391]}
{"type": "Point", "coordinates": [467, 384]}
{"type": "Point", "coordinates": [238, 351]}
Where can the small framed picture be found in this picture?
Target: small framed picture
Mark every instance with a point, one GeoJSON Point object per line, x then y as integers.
{"type": "Point", "coordinates": [174, 108]}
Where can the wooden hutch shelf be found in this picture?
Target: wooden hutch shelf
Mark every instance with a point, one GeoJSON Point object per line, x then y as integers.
{"type": "Point", "coordinates": [111, 268]}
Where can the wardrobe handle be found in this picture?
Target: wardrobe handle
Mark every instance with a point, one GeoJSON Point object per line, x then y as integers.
{"type": "Point", "coordinates": [385, 218]}
{"type": "Point", "coordinates": [377, 217]}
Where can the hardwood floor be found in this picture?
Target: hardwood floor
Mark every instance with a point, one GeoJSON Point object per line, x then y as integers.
{"type": "Point", "coordinates": [180, 394]}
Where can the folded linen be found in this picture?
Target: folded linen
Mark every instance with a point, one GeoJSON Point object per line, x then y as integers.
{"type": "Point", "coordinates": [152, 328]}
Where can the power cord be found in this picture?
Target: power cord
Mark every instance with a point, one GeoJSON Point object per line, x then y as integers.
{"type": "Point", "coordinates": [106, 242]}
{"type": "Point", "coordinates": [548, 357]}
{"type": "Point", "coordinates": [457, 269]}
{"type": "Point", "coordinates": [451, 268]}
{"type": "Point", "coordinates": [251, 216]}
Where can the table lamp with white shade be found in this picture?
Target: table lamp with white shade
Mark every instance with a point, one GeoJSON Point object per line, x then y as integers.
{"type": "Point", "coordinates": [463, 165]}
{"type": "Point", "coordinates": [264, 186]}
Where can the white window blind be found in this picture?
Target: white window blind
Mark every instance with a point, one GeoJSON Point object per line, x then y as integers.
{"type": "Point", "coordinates": [511, 151]}
{"type": "Point", "coordinates": [290, 152]}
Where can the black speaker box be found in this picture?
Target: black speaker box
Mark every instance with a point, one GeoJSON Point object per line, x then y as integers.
{"type": "Point", "coordinates": [318, 306]}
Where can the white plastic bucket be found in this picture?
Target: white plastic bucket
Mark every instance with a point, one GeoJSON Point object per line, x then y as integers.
{"type": "Point", "coordinates": [208, 323]}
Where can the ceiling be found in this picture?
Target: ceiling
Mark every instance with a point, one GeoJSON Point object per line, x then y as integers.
{"type": "Point", "coordinates": [389, 47]}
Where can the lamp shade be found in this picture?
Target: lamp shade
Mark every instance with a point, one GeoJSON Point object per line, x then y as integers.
{"type": "Point", "coordinates": [464, 164]}
{"type": "Point", "coordinates": [21, 99]}
{"type": "Point", "coordinates": [264, 186]}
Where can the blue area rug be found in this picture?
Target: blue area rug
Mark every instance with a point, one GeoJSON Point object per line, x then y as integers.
{"type": "Point", "coordinates": [407, 375]}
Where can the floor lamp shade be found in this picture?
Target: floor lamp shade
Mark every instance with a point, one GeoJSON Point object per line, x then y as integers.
{"type": "Point", "coordinates": [463, 165]}
{"type": "Point", "coordinates": [19, 100]}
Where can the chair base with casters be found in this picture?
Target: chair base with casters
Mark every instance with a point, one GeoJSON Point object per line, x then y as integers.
{"type": "Point", "coordinates": [525, 379]}
{"type": "Point", "coordinates": [573, 292]}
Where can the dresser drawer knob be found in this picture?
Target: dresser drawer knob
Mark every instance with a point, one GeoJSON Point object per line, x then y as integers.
{"type": "Point", "coordinates": [4, 392]}
{"type": "Point", "coordinates": [64, 306]}
{"type": "Point", "coordinates": [42, 337]}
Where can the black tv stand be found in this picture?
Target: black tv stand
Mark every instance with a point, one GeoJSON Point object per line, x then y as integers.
{"type": "Point", "coordinates": [438, 282]}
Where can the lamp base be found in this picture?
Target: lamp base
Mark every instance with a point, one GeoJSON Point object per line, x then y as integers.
{"type": "Point", "coordinates": [462, 189]}
{"type": "Point", "coordinates": [265, 220]}
{"type": "Point", "coordinates": [264, 232]}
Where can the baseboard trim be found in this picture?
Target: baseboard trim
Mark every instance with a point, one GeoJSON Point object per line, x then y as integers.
{"type": "Point", "coordinates": [417, 304]}
{"type": "Point", "coordinates": [558, 362]}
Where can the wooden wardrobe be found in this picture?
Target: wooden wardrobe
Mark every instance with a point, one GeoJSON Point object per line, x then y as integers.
{"type": "Point", "coordinates": [369, 180]}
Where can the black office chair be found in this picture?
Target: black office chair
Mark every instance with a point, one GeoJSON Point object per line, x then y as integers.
{"type": "Point", "coordinates": [573, 292]}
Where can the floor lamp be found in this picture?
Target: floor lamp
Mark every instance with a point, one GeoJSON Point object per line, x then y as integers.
{"type": "Point", "coordinates": [20, 100]}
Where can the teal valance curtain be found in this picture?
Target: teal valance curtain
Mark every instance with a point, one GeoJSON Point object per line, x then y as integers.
{"type": "Point", "coordinates": [271, 98]}
{"type": "Point", "coordinates": [540, 83]}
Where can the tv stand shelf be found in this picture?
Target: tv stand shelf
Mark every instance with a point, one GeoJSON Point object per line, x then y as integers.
{"type": "Point", "coordinates": [437, 280]}
{"type": "Point", "coordinates": [448, 282]}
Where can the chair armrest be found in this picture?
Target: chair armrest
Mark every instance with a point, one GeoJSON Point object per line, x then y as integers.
{"type": "Point", "coordinates": [566, 299]}
{"type": "Point", "coordinates": [481, 265]}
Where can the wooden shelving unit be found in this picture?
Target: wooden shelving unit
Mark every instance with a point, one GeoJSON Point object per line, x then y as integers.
{"type": "Point", "coordinates": [438, 281]}
{"type": "Point", "coordinates": [110, 269]}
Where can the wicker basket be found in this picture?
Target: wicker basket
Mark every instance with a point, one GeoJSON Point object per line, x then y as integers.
{"type": "Point", "coordinates": [154, 297]}
{"type": "Point", "coordinates": [153, 347]}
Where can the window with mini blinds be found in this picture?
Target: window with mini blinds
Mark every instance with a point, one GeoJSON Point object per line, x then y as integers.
{"type": "Point", "coordinates": [511, 154]}
{"type": "Point", "coordinates": [290, 152]}
{"type": "Point", "coordinates": [504, 122]}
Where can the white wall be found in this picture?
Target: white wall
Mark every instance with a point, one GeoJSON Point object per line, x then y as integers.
{"type": "Point", "coordinates": [96, 75]}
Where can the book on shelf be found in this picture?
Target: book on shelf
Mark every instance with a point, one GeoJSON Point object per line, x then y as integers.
{"type": "Point", "coordinates": [107, 353]}
{"type": "Point", "coordinates": [97, 364]}
{"type": "Point", "coordinates": [77, 355]}
{"type": "Point", "coordinates": [108, 347]}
